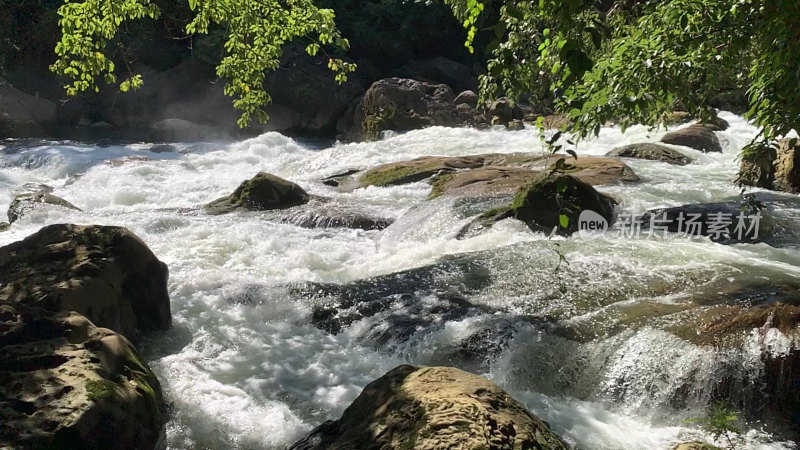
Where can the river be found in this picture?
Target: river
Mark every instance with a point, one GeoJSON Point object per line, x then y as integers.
{"type": "Point", "coordinates": [588, 348]}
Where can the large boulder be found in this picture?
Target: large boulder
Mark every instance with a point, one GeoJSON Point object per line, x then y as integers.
{"type": "Point", "coordinates": [402, 104]}
{"type": "Point", "coordinates": [774, 167]}
{"type": "Point", "coordinates": [260, 193]}
{"type": "Point", "coordinates": [24, 115]}
{"type": "Point", "coordinates": [25, 203]}
{"type": "Point", "coordinates": [454, 172]}
{"type": "Point", "coordinates": [306, 98]}
{"type": "Point", "coordinates": [694, 136]}
{"type": "Point", "coordinates": [543, 203]}
{"type": "Point", "coordinates": [483, 182]}
{"type": "Point", "coordinates": [597, 170]}
{"type": "Point", "coordinates": [404, 172]}
{"type": "Point", "coordinates": [431, 408]}
{"type": "Point", "coordinates": [651, 151]}
{"type": "Point", "coordinates": [104, 273]}
{"type": "Point", "coordinates": [65, 383]}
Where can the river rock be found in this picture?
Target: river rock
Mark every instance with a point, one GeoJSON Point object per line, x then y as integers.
{"type": "Point", "coordinates": [542, 201]}
{"type": "Point", "coordinates": [597, 170]}
{"type": "Point", "coordinates": [694, 136]}
{"type": "Point", "coordinates": [4, 226]}
{"type": "Point", "coordinates": [749, 319]}
{"type": "Point", "coordinates": [452, 171]}
{"type": "Point", "coordinates": [262, 192]}
{"type": "Point", "coordinates": [651, 151]}
{"type": "Point", "coordinates": [65, 383]}
{"type": "Point", "coordinates": [432, 408]}
{"type": "Point", "coordinates": [719, 221]}
{"type": "Point", "coordinates": [402, 104]}
{"type": "Point", "coordinates": [418, 169]}
{"type": "Point", "coordinates": [501, 111]}
{"type": "Point", "coordinates": [467, 97]}
{"type": "Point", "coordinates": [483, 182]}
{"type": "Point", "coordinates": [22, 204]}
{"type": "Point", "coordinates": [325, 213]}
{"type": "Point", "coordinates": [106, 274]}
{"type": "Point", "coordinates": [774, 167]}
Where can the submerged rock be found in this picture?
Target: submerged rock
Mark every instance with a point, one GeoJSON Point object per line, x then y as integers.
{"type": "Point", "coordinates": [65, 383]}
{"type": "Point", "coordinates": [723, 222]}
{"type": "Point", "coordinates": [324, 213]}
{"type": "Point", "coordinates": [652, 152]}
{"type": "Point", "coordinates": [776, 168]}
{"type": "Point", "coordinates": [542, 202]}
{"type": "Point", "coordinates": [696, 446]}
{"type": "Point", "coordinates": [397, 297]}
{"type": "Point", "coordinates": [262, 192]}
{"type": "Point", "coordinates": [104, 273]}
{"type": "Point", "coordinates": [694, 136]}
{"type": "Point", "coordinates": [4, 226]}
{"type": "Point", "coordinates": [422, 408]}
{"type": "Point", "coordinates": [24, 203]}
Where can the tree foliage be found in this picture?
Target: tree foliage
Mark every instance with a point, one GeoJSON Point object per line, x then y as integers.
{"type": "Point", "coordinates": [633, 61]}
{"type": "Point", "coordinates": [256, 31]}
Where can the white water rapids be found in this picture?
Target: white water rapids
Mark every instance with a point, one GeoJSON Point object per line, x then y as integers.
{"type": "Point", "coordinates": [244, 367]}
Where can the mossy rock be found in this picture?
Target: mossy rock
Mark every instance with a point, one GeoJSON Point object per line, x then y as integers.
{"type": "Point", "coordinates": [260, 193]}
{"type": "Point", "coordinates": [418, 169]}
{"type": "Point", "coordinates": [426, 408]}
{"type": "Point", "coordinates": [470, 169]}
{"type": "Point", "coordinates": [71, 384]}
{"type": "Point", "coordinates": [543, 203]}
{"type": "Point", "coordinates": [4, 226]}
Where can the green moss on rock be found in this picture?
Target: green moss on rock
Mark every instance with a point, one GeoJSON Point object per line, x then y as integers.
{"type": "Point", "coordinates": [100, 389]}
{"type": "Point", "coordinates": [262, 192]}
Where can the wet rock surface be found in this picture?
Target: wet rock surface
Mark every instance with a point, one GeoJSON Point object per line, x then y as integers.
{"type": "Point", "coordinates": [25, 203]}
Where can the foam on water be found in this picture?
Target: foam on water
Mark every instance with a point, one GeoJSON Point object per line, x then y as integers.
{"type": "Point", "coordinates": [244, 368]}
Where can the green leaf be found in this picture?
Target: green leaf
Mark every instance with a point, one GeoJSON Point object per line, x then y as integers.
{"type": "Point", "coordinates": [563, 220]}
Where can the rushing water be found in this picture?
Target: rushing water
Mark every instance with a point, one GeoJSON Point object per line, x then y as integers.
{"type": "Point", "coordinates": [245, 367]}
